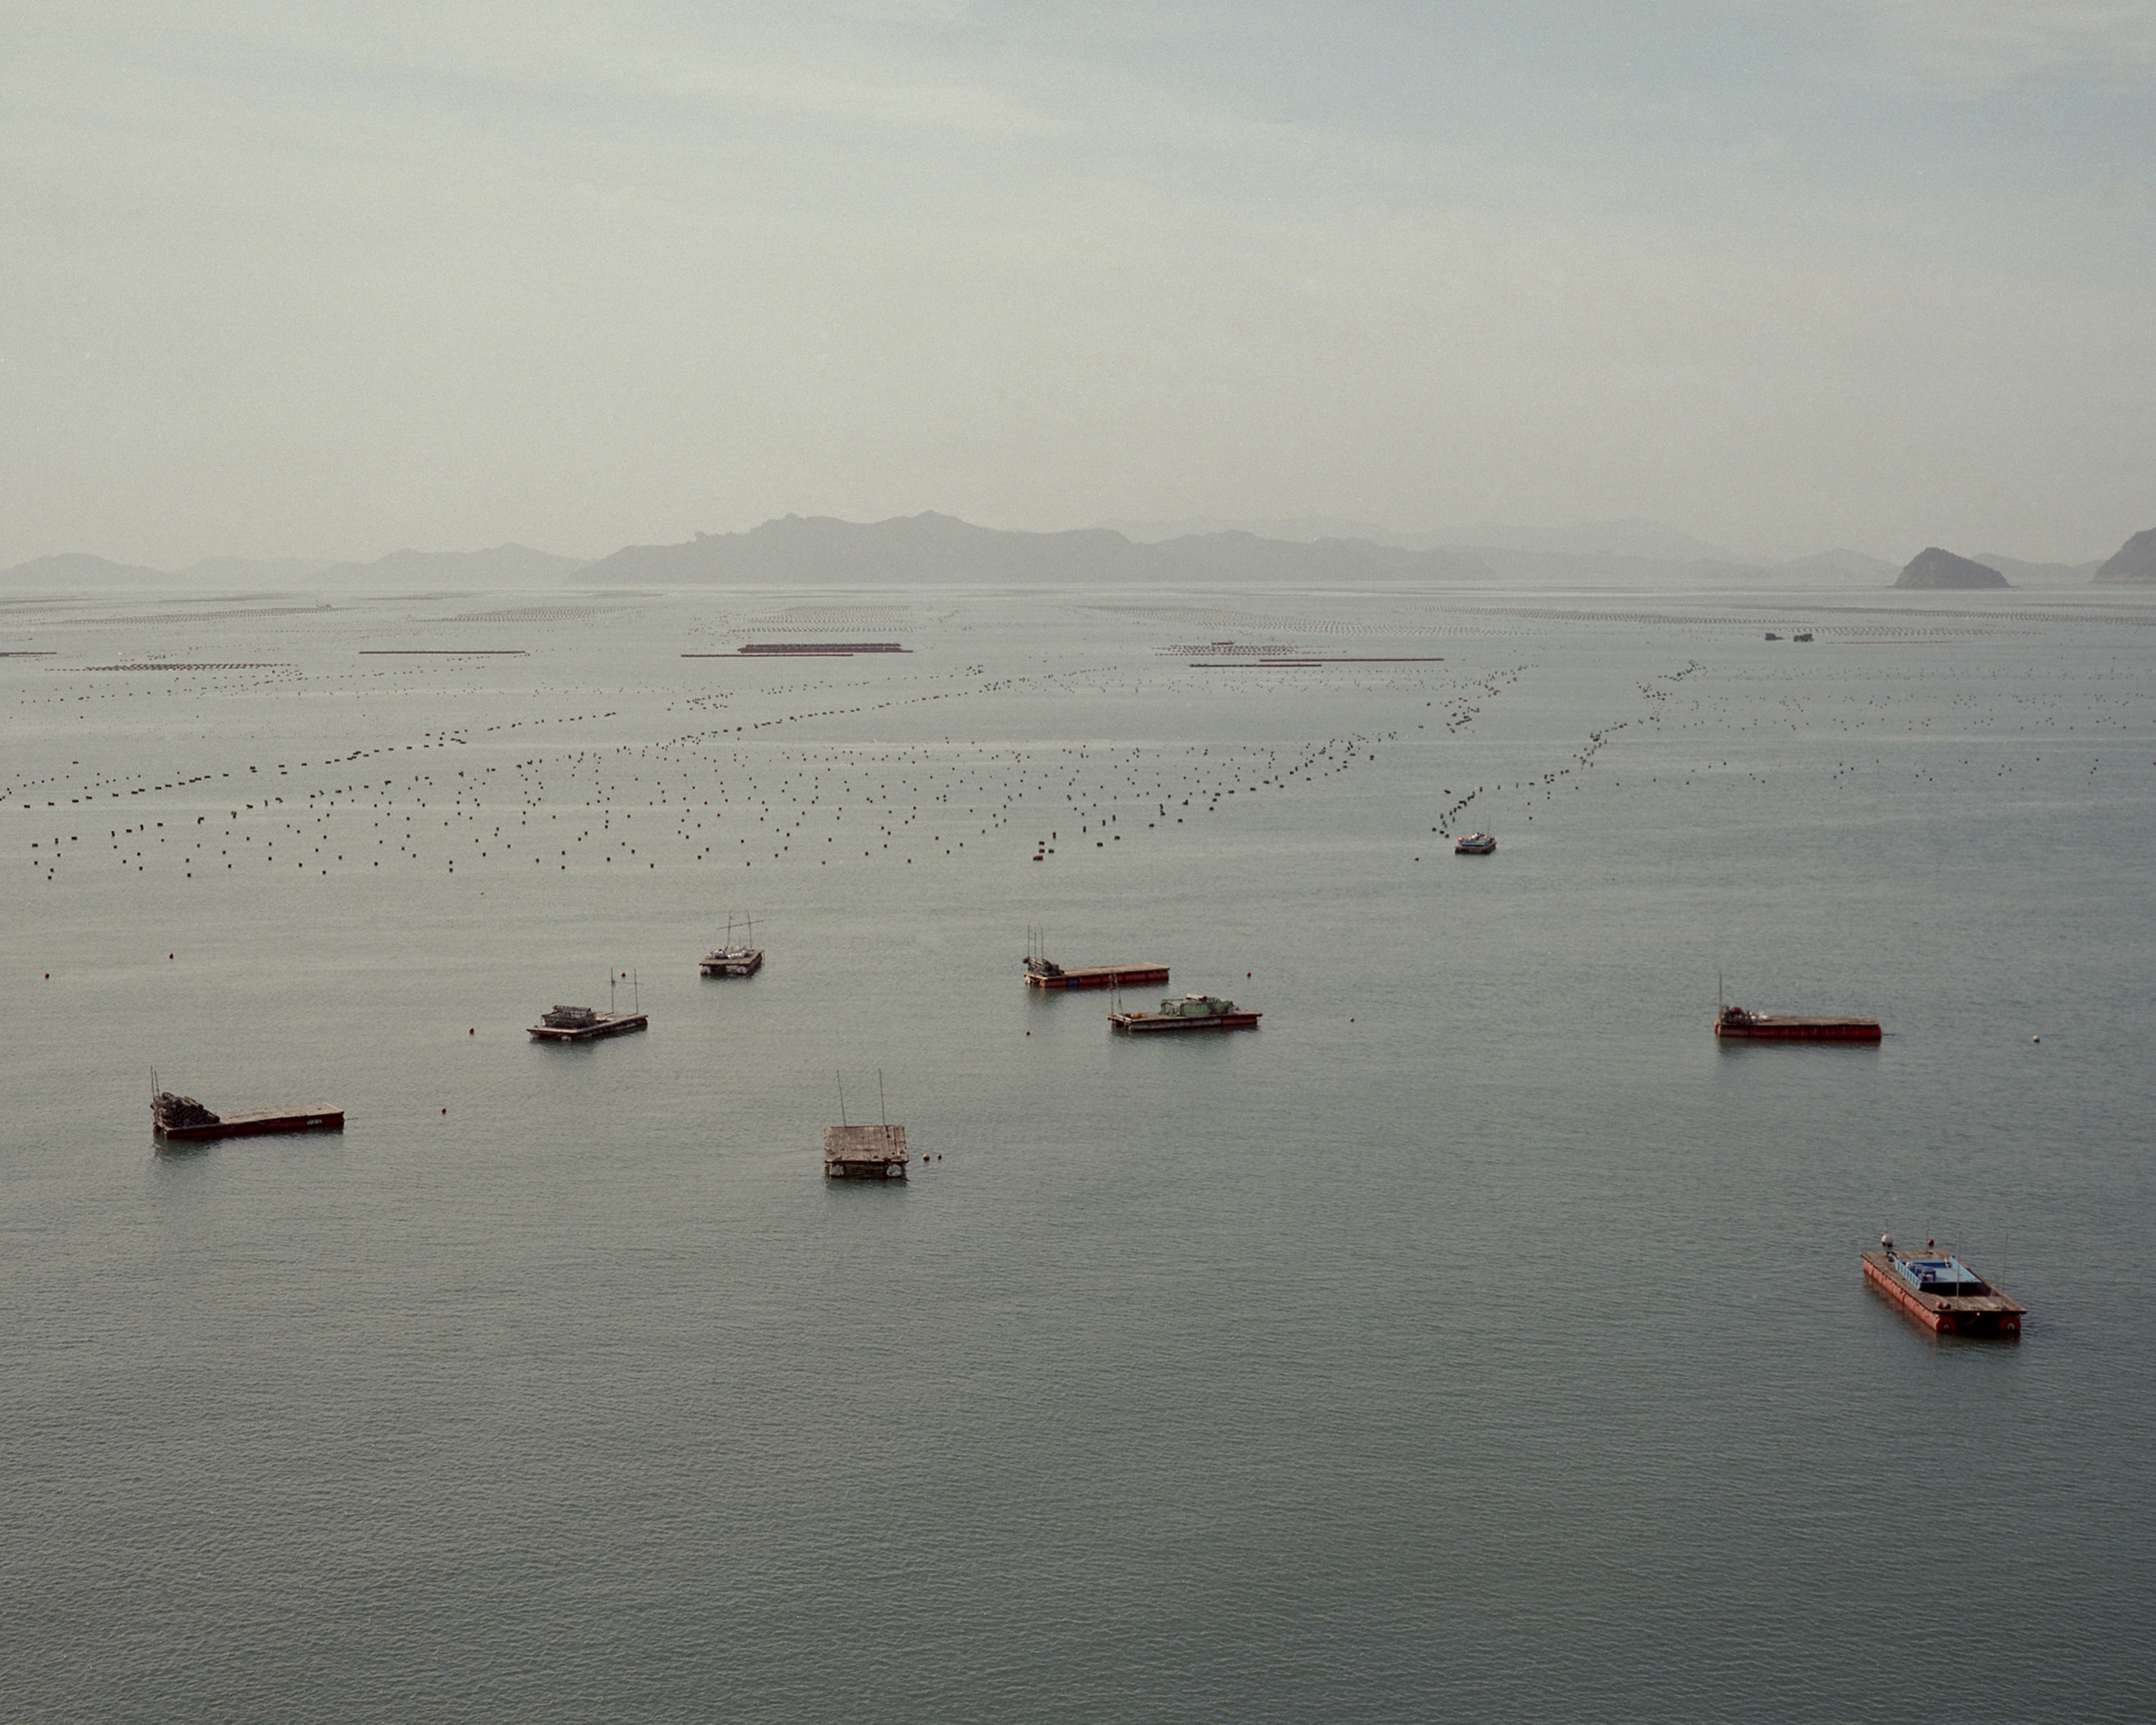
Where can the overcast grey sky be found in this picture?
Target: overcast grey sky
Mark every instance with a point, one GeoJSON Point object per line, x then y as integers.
{"type": "Point", "coordinates": [331, 279]}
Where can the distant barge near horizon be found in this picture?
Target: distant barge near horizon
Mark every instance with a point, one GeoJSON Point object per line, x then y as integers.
{"type": "Point", "coordinates": [1941, 1292]}
{"type": "Point", "coordinates": [582, 1023]}
{"type": "Point", "coordinates": [185, 1120]}
{"type": "Point", "coordinates": [1774, 1027]}
{"type": "Point", "coordinates": [804, 649]}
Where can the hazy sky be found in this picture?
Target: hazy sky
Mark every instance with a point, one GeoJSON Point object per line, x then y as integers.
{"type": "Point", "coordinates": [331, 279]}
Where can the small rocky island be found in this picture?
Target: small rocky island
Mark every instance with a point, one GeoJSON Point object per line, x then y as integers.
{"type": "Point", "coordinates": [1933, 567]}
{"type": "Point", "coordinates": [2132, 564]}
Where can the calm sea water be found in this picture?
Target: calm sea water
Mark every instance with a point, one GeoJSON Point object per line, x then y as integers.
{"type": "Point", "coordinates": [1477, 1340]}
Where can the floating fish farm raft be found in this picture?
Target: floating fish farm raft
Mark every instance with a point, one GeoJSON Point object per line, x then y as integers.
{"type": "Point", "coordinates": [864, 1152]}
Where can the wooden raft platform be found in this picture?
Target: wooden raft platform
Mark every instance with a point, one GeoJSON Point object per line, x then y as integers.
{"type": "Point", "coordinates": [874, 1152]}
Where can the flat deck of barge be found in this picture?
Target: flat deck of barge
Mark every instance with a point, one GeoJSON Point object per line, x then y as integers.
{"type": "Point", "coordinates": [1039, 973]}
{"type": "Point", "coordinates": [1193, 1012]}
{"type": "Point", "coordinates": [249, 1124]}
{"type": "Point", "coordinates": [870, 1152]}
{"type": "Point", "coordinates": [732, 960]}
{"type": "Point", "coordinates": [580, 1024]}
{"type": "Point", "coordinates": [1774, 1027]}
{"type": "Point", "coordinates": [1939, 1291]}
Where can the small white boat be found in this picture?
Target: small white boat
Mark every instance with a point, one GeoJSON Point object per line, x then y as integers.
{"type": "Point", "coordinates": [1476, 844]}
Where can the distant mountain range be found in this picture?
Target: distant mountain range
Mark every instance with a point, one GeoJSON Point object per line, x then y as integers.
{"type": "Point", "coordinates": [819, 550]}
{"type": "Point", "coordinates": [2023, 573]}
{"type": "Point", "coordinates": [504, 565]}
{"type": "Point", "coordinates": [812, 551]}
{"type": "Point", "coordinates": [71, 569]}
{"type": "Point", "coordinates": [1629, 538]}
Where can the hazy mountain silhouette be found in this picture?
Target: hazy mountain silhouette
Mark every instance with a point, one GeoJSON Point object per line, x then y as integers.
{"type": "Point", "coordinates": [237, 570]}
{"type": "Point", "coordinates": [1934, 567]}
{"type": "Point", "coordinates": [505, 565]}
{"type": "Point", "coordinates": [2133, 563]}
{"type": "Point", "coordinates": [78, 568]}
{"type": "Point", "coordinates": [819, 549]}
{"type": "Point", "coordinates": [1838, 565]}
{"type": "Point", "coordinates": [2022, 573]}
{"type": "Point", "coordinates": [1633, 536]}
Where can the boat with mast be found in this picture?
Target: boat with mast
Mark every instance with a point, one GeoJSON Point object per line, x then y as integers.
{"type": "Point", "coordinates": [1193, 1012]}
{"type": "Point", "coordinates": [734, 958]}
{"type": "Point", "coordinates": [1940, 1291]}
{"type": "Point", "coordinates": [1734, 1021]}
{"type": "Point", "coordinates": [1042, 972]}
{"type": "Point", "coordinates": [183, 1120]}
{"type": "Point", "coordinates": [584, 1024]}
{"type": "Point", "coordinates": [870, 1152]}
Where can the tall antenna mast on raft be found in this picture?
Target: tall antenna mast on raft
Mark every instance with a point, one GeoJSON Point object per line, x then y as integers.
{"type": "Point", "coordinates": [842, 1098]}
{"type": "Point", "coordinates": [881, 1109]}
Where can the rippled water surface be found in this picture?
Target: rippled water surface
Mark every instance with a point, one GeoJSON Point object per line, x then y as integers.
{"type": "Point", "coordinates": [1478, 1339]}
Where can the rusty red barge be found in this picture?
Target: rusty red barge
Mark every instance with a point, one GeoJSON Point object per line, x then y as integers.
{"type": "Point", "coordinates": [1774, 1027]}
{"type": "Point", "coordinates": [1941, 1292]}
{"type": "Point", "coordinates": [1042, 972]}
{"type": "Point", "coordinates": [1193, 1012]}
{"type": "Point", "coordinates": [183, 1120]}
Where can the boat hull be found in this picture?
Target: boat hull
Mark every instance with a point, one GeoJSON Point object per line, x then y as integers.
{"type": "Point", "coordinates": [1146, 1023]}
{"type": "Point", "coordinates": [1766, 1030]}
{"type": "Point", "coordinates": [620, 1026]}
{"type": "Point", "coordinates": [254, 1124]}
{"type": "Point", "coordinates": [746, 965]}
{"type": "Point", "coordinates": [1984, 1315]}
{"type": "Point", "coordinates": [1101, 976]}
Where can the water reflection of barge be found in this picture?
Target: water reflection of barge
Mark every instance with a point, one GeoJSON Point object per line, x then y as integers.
{"type": "Point", "coordinates": [1941, 1292]}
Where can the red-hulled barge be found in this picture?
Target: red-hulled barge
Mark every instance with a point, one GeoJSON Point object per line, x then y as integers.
{"type": "Point", "coordinates": [1941, 1292]}
{"type": "Point", "coordinates": [1193, 1012]}
{"type": "Point", "coordinates": [183, 1120]}
{"type": "Point", "coordinates": [1044, 973]}
{"type": "Point", "coordinates": [1774, 1027]}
